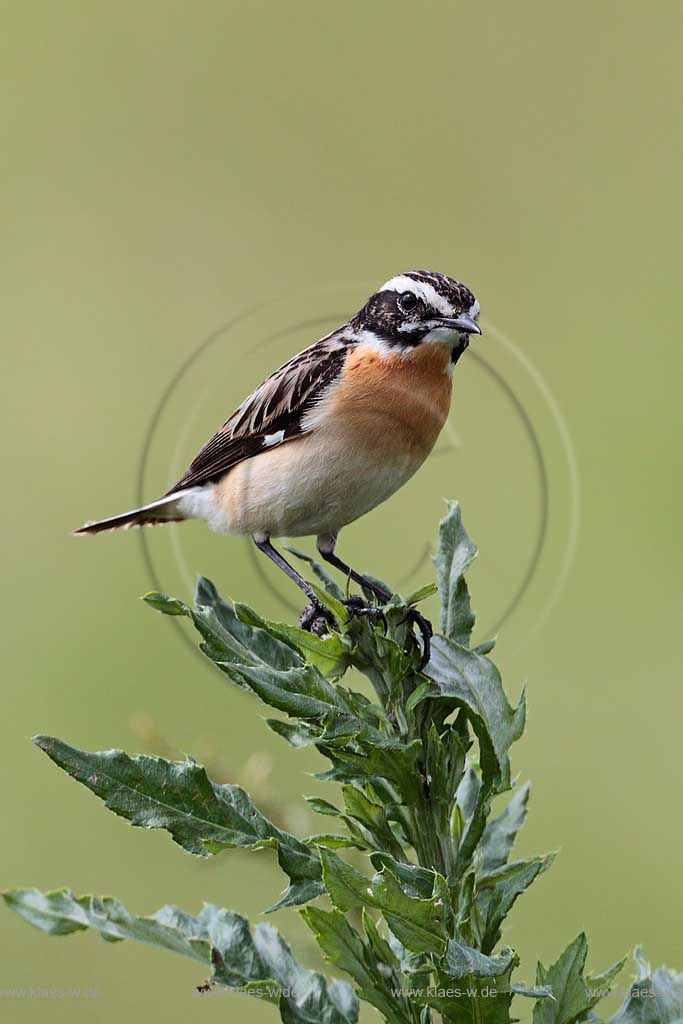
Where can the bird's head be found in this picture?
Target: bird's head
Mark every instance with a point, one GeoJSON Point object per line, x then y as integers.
{"type": "Point", "coordinates": [418, 307]}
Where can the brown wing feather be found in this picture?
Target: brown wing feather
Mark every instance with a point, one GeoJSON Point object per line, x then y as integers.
{"type": "Point", "coordinates": [279, 404]}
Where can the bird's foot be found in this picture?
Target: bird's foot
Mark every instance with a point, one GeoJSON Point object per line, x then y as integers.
{"type": "Point", "coordinates": [316, 619]}
{"type": "Point", "coordinates": [357, 606]}
{"type": "Point", "coordinates": [426, 631]}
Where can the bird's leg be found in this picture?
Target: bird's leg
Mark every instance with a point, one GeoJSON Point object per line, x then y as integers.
{"type": "Point", "coordinates": [314, 618]}
{"type": "Point", "coordinates": [325, 544]}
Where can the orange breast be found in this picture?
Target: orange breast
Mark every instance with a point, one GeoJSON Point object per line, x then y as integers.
{"type": "Point", "coordinates": [397, 402]}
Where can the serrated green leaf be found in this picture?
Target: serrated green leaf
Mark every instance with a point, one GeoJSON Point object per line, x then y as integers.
{"type": "Point", "coordinates": [468, 792]}
{"type": "Point", "coordinates": [303, 692]}
{"type": "Point", "coordinates": [653, 998]}
{"type": "Point", "coordinates": [422, 594]}
{"type": "Point", "coordinates": [444, 765]}
{"type": "Point", "coordinates": [323, 807]}
{"type": "Point", "coordinates": [416, 697]}
{"type": "Point", "coordinates": [461, 960]}
{"type": "Point", "coordinates": [335, 1004]}
{"type": "Point", "coordinates": [476, 1002]}
{"type": "Point", "coordinates": [485, 647]}
{"type": "Point", "coordinates": [417, 968]}
{"type": "Point", "coordinates": [378, 945]}
{"type": "Point", "coordinates": [392, 760]}
{"type": "Point", "coordinates": [466, 905]}
{"type": "Point", "coordinates": [329, 654]}
{"type": "Point", "coordinates": [332, 604]}
{"type": "Point", "coordinates": [340, 943]}
{"type": "Point", "coordinates": [498, 889]}
{"type": "Point", "coordinates": [165, 604]}
{"type": "Point", "coordinates": [603, 982]}
{"type": "Point", "coordinates": [342, 946]}
{"type": "Point", "coordinates": [416, 880]}
{"type": "Point", "coordinates": [59, 912]}
{"type": "Point", "coordinates": [248, 961]}
{"type": "Point", "coordinates": [359, 837]}
{"type": "Point", "coordinates": [499, 835]}
{"type": "Point", "coordinates": [482, 995]}
{"type": "Point", "coordinates": [300, 692]}
{"type": "Point", "coordinates": [202, 816]}
{"type": "Point", "coordinates": [226, 640]}
{"type": "Point", "coordinates": [468, 680]}
{"type": "Point", "coordinates": [259, 963]}
{"type": "Point", "coordinates": [372, 816]}
{"type": "Point", "coordinates": [573, 998]}
{"type": "Point", "coordinates": [297, 734]}
{"type": "Point", "coordinates": [532, 991]}
{"type": "Point", "coordinates": [454, 554]}
{"type": "Point", "coordinates": [382, 656]}
{"type": "Point", "coordinates": [473, 800]}
{"type": "Point", "coordinates": [418, 923]}
{"type": "Point", "coordinates": [334, 842]}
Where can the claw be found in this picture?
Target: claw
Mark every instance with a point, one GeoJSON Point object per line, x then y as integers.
{"type": "Point", "coordinates": [316, 619]}
{"type": "Point", "coordinates": [356, 606]}
{"type": "Point", "coordinates": [426, 631]}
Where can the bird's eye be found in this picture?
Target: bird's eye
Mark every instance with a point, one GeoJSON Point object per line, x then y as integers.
{"type": "Point", "coordinates": [407, 302]}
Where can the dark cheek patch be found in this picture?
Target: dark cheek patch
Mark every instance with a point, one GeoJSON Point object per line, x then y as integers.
{"type": "Point", "coordinates": [382, 316]}
{"type": "Point", "coordinates": [412, 337]}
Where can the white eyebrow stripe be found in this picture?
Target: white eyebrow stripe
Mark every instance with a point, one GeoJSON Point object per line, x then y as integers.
{"type": "Point", "coordinates": [474, 309]}
{"type": "Point", "coordinates": [426, 291]}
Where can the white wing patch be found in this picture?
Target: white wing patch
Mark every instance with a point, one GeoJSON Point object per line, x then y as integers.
{"type": "Point", "coordinates": [270, 439]}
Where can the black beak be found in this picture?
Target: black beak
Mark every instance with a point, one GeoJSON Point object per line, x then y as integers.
{"type": "Point", "coordinates": [463, 323]}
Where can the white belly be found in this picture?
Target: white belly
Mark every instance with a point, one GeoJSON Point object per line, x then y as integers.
{"type": "Point", "coordinates": [294, 491]}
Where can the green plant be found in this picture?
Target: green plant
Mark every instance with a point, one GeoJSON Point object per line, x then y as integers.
{"type": "Point", "coordinates": [418, 930]}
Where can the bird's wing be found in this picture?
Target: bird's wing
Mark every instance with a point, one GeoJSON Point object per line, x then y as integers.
{"type": "Point", "coordinates": [273, 413]}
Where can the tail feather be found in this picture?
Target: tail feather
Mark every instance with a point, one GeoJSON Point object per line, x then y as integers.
{"type": "Point", "coordinates": [165, 510]}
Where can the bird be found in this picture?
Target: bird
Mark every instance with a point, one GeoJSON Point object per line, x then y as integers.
{"type": "Point", "coordinates": [331, 434]}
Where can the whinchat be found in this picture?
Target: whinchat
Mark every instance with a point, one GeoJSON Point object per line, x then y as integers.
{"type": "Point", "coordinates": [333, 432]}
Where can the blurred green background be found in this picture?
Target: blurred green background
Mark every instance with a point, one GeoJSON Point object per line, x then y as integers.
{"type": "Point", "coordinates": [166, 166]}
